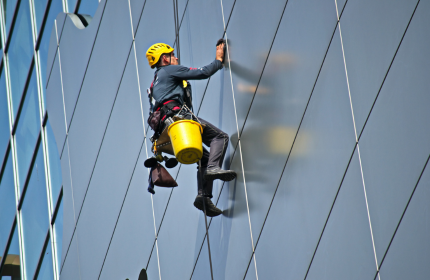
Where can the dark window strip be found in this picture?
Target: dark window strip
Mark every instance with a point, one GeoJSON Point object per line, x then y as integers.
{"type": "Point", "coordinates": [5, 157]}
{"type": "Point", "coordinates": [27, 178]}
{"type": "Point", "coordinates": [7, 245]}
{"type": "Point", "coordinates": [24, 94]}
{"type": "Point", "coordinates": [57, 206]}
{"type": "Point", "coordinates": [42, 27]}
{"type": "Point", "coordinates": [12, 26]}
{"type": "Point", "coordinates": [42, 254]}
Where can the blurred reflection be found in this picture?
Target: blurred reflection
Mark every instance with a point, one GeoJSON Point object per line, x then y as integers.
{"type": "Point", "coordinates": [11, 269]}
{"type": "Point", "coordinates": [270, 132]}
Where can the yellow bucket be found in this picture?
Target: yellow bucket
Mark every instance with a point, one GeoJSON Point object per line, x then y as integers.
{"type": "Point", "coordinates": [186, 137]}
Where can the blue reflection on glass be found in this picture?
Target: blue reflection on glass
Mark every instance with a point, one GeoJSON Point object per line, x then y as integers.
{"type": "Point", "coordinates": [35, 216]}
{"type": "Point", "coordinates": [88, 7]}
{"type": "Point", "coordinates": [54, 163]}
{"type": "Point", "coordinates": [58, 229]}
{"type": "Point", "coordinates": [7, 203]}
{"type": "Point", "coordinates": [8, 10]}
{"type": "Point", "coordinates": [20, 53]}
{"type": "Point", "coordinates": [12, 263]}
{"type": "Point", "coordinates": [71, 5]}
{"type": "Point", "coordinates": [39, 7]}
{"type": "Point", "coordinates": [27, 130]}
{"type": "Point", "coordinates": [54, 10]}
{"type": "Point", "coordinates": [4, 118]}
{"type": "Point", "coordinates": [46, 271]}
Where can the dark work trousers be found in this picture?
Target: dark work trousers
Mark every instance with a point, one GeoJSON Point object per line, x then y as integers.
{"type": "Point", "coordinates": [217, 140]}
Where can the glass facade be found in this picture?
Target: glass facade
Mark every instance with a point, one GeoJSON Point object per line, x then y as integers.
{"type": "Point", "coordinates": [31, 211]}
{"type": "Point", "coordinates": [326, 104]}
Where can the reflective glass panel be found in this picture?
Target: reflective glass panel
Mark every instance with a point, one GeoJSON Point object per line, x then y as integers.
{"type": "Point", "coordinates": [54, 10]}
{"type": "Point", "coordinates": [88, 7]}
{"type": "Point", "coordinates": [8, 10]}
{"type": "Point", "coordinates": [54, 163]}
{"type": "Point", "coordinates": [11, 269]}
{"type": "Point", "coordinates": [39, 7]}
{"type": "Point", "coordinates": [4, 118]}
{"type": "Point", "coordinates": [58, 231]}
{"type": "Point", "coordinates": [71, 5]}
{"type": "Point", "coordinates": [35, 217]}
{"type": "Point", "coordinates": [7, 203]}
{"type": "Point", "coordinates": [20, 53]}
{"type": "Point", "coordinates": [27, 130]}
{"type": "Point", "coordinates": [46, 271]}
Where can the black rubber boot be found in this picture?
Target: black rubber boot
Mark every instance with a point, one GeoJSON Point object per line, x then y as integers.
{"type": "Point", "coordinates": [213, 173]}
{"type": "Point", "coordinates": [211, 209]}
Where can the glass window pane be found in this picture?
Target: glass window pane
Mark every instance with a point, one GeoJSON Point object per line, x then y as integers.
{"type": "Point", "coordinates": [54, 164]}
{"type": "Point", "coordinates": [20, 53]}
{"type": "Point", "coordinates": [58, 231]}
{"type": "Point", "coordinates": [11, 269]}
{"type": "Point", "coordinates": [54, 10]}
{"type": "Point", "coordinates": [8, 10]}
{"type": "Point", "coordinates": [4, 118]}
{"type": "Point", "coordinates": [88, 7]}
{"type": "Point", "coordinates": [27, 130]}
{"type": "Point", "coordinates": [35, 217]}
{"type": "Point", "coordinates": [39, 7]}
{"type": "Point", "coordinates": [46, 271]}
{"type": "Point", "coordinates": [71, 5]}
{"type": "Point", "coordinates": [7, 203]}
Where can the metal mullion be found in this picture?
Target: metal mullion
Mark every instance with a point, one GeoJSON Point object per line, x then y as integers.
{"type": "Point", "coordinates": [15, 169]}
{"type": "Point", "coordinates": [12, 26]}
{"type": "Point", "coordinates": [33, 22]}
{"type": "Point", "coordinates": [6, 248]}
{"type": "Point", "coordinates": [54, 236]}
{"type": "Point", "coordinates": [40, 90]}
{"type": "Point", "coordinates": [65, 6]}
{"type": "Point", "coordinates": [78, 5]}
{"type": "Point", "coordinates": [48, 190]}
{"type": "Point", "coordinates": [46, 171]}
{"type": "Point", "coordinates": [21, 244]}
{"type": "Point", "coordinates": [42, 253]}
{"type": "Point", "coordinates": [2, 25]}
{"type": "Point", "coordinates": [54, 252]}
{"type": "Point", "coordinates": [5, 69]}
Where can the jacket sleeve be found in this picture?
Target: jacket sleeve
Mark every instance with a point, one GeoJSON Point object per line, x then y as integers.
{"type": "Point", "coordinates": [185, 73]}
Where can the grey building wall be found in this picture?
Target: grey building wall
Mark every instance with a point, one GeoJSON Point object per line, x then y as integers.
{"type": "Point", "coordinates": [326, 103]}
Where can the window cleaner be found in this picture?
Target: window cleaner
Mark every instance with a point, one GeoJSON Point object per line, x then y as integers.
{"type": "Point", "coordinates": [170, 100]}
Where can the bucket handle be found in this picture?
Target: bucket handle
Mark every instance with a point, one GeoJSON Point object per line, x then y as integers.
{"type": "Point", "coordinates": [185, 108]}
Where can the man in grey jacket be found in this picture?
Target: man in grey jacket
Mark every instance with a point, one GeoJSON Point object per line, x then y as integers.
{"type": "Point", "coordinates": [168, 91]}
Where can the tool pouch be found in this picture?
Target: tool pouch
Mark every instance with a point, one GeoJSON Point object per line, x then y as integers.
{"type": "Point", "coordinates": [154, 120]}
{"type": "Point", "coordinates": [161, 177]}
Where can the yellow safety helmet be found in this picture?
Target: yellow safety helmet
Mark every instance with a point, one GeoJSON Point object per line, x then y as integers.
{"type": "Point", "coordinates": [155, 51]}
